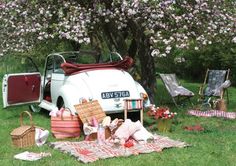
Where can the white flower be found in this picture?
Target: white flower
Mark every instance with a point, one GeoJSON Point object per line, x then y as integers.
{"type": "Point", "coordinates": [234, 40]}
{"type": "Point", "coordinates": [166, 41]}
{"type": "Point", "coordinates": [162, 55]}
{"type": "Point", "coordinates": [80, 41]}
{"type": "Point", "coordinates": [131, 12]}
{"type": "Point", "coordinates": [40, 38]}
{"type": "Point", "coordinates": [179, 59]}
{"type": "Point", "coordinates": [168, 48]}
{"type": "Point", "coordinates": [41, 11]}
{"type": "Point", "coordinates": [155, 52]}
{"type": "Point", "coordinates": [46, 36]}
{"type": "Point", "coordinates": [87, 40]}
{"type": "Point", "coordinates": [33, 30]}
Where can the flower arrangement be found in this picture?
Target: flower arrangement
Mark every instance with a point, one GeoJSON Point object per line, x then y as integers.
{"type": "Point", "coordinates": [161, 112]}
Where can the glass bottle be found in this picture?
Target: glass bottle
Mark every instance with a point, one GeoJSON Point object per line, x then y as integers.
{"type": "Point", "coordinates": [100, 134]}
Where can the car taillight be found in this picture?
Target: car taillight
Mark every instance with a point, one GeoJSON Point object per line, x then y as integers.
{"type": "Point", "coordinates": [144, 96]}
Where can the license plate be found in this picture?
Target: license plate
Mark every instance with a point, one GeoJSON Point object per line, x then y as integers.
{"type": "Point", "coordinates": [115, 94]}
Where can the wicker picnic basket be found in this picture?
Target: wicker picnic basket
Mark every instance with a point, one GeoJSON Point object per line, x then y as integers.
{"type": "Point", "coordinates": [221, 105]}
{"type": "Point", "coordinates": [24, 135]}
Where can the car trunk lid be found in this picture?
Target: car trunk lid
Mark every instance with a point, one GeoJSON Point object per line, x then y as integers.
{"type": "Point", "coordinates": [111, 91]}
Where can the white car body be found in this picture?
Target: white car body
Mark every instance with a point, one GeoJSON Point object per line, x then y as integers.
{"type": "Point", "coordinates": [110, 86]}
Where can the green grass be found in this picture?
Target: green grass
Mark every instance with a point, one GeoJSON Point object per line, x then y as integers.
{"type": "Point", "coordinates": [212, 147]}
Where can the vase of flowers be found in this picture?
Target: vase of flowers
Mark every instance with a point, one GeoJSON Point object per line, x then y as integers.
{"type": "Point", "coordinates": [163, 116]}
{"type": "Point", "coordinates": [164, 125]}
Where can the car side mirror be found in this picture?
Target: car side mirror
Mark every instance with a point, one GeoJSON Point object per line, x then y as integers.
{"type": "Point", "coordinates": [48, 76]}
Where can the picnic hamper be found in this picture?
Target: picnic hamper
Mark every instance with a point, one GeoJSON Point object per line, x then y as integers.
{"type": "Point", "coordinates": [24, 135]}
{"type": "Point", "coordinates": [89, 110]}
{"type": "Point", "coordinates": [221, 105]}
{"type": "Point", "coordinates": [92, 109]}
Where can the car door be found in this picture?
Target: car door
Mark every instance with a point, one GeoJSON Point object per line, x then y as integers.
{"type": "Point", "coordinates": [22, 87]}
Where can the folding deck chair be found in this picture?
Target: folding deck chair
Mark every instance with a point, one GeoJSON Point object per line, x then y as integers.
{"type": "Point", "coordinates": [215, 84]}
{"type": "Point", "coordinates": [175, 90]}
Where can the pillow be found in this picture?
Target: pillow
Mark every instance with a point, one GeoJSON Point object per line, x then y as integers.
{"type": "Point", "coordinates": [127, 129]}
{"type": "Point", "coordinates": [142, 135]}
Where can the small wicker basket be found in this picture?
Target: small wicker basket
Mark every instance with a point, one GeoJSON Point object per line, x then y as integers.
{"type": "Point", "coordinates": [24, 135]}
{"type": "Point", "coordinates": [221, 105]}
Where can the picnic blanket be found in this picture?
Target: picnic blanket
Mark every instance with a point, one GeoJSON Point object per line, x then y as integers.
{"type": "Point", "coordinates": [213, 113]}
{"type": "Point", "coordinates": [90, 151]}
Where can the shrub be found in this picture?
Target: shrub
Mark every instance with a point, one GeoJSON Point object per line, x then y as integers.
{"type": "Point", "coordinates": [215, 56]}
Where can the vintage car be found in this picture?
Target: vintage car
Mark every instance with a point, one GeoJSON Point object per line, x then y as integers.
{"type": "Point", "coordinates": [71, 77]}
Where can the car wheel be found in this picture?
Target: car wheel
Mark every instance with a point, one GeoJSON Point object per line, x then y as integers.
{"type": "Point", "coordinates": [60, 103]}
{"type": "Point", "coordinates": [34, 108]}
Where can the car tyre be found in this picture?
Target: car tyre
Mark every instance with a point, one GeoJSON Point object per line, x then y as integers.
{"type": "Point", "coordinates": [34, 108]}
{"type": "Point", "coordinates": [60, 103]}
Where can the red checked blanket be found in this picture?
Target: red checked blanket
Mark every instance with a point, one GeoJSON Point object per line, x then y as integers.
{"type": "Point", "coordinates": [212, 113]}
{"type": "Point", "coordinates": [90, 151]}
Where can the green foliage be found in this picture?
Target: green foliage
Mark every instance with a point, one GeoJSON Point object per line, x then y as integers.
{"type": "Point", "coordinates": [38, 54]}
{"type": "Point", "coordinates": [215, 56]}
{"type": "Point", "coordinates": [40, 51]}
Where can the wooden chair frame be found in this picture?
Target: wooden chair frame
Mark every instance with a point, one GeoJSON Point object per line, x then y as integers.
{"type": "Point", "coordinates": [178, 98]}
{"type": "Point", "coordinates": [204, 85]}
{"type": "Point", "coordinates": [133, 104]}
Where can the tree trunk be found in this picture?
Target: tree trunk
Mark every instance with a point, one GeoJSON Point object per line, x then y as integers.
{"type": "Point", "coordinates": [115, 37]}
{"type": "Point", "coordinates": [147, 68]}
{"type": "Point", "coordinates": [132, 49]}
{"type": "Point", "coordinates": [140, 45]}
{"type": "Point", "coordinates": [76, 46]}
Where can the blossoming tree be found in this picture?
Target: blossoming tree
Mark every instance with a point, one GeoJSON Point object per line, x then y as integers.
{"type": "Point", "coordinates": [143, 29]}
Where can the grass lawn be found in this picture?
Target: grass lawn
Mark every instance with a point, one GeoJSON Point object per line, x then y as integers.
{"type": "Point", "coordinates": [214, 146]}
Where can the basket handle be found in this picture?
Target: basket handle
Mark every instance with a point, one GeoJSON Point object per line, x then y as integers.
{"type": "Point", "coordinates": [29, 114]}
